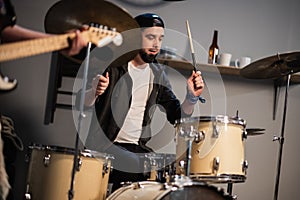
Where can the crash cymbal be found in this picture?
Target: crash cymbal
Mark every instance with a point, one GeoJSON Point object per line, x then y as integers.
{"type": "Point", "coordinates": [254, 131]}
{"type": "Point", "coordinates": [66, 15]}
{"type": "Point", "coordinates": [72, 14]}
{"type": "Point", "coordinates": [273, 67]}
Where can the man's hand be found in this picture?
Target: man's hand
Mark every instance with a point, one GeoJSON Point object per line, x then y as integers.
{"type": "Point", "coordinates": [195, 84]}
{"type": "Point", "coordinates": [100, 83]}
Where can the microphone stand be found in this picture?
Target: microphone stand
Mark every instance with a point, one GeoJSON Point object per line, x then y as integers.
{"type": "Point", "coordinates": [81, 116]}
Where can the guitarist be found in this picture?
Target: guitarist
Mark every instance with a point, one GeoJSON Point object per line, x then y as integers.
{"type": "Point", "coordinates": [11, 32]}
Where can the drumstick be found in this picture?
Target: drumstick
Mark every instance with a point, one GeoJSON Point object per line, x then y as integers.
{"type": "Point", "coordinates": [191, 44]}
{"type": "Point", "coordinates": [193, 53]}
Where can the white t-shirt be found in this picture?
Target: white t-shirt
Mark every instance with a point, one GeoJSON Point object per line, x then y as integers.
{"type": "Point", "coordinates": [132, 127]}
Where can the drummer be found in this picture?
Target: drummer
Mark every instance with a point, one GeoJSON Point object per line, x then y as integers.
{"type": "Point", "coordinates": [122, 128]}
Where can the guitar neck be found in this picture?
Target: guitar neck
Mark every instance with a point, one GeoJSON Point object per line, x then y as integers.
{"type": "Point", "coordinates": [11, 51]}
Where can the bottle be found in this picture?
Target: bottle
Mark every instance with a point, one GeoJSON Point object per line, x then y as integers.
{"type": "Point", "coordinates": [213, 50]}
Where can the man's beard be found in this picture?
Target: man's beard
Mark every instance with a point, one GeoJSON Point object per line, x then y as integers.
{"type": "Point", "coordinates": [147, 58]}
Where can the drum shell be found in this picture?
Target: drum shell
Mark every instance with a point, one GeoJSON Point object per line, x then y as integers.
{"type": "Point", "coordinates": [52, 181]}
{"type": "Point", "coordinates": [227, 147]}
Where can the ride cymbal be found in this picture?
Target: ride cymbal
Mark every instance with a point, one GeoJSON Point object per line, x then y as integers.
{"type": "Point", "coordinates": [273, 67]}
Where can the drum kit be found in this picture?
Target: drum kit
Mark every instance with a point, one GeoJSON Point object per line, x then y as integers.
{"type": "Point", "coordinates": [203, 144]}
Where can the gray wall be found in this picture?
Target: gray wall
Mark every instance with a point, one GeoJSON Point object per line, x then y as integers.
{"type": "Point", "coordinates": [246, 28]}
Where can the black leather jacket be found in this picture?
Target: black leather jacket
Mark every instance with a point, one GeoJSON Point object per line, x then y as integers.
{"type": "Point", "coordinates": [111, 107]}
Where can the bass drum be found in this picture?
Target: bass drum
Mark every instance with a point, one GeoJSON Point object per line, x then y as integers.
{"type": "Point", "coordinates": [50, 169]}
{"type": "Point", "coordinates": [148, 190]}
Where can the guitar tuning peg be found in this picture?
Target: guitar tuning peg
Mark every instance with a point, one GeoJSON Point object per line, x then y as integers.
{"type": "Point", "coordinates": [114, 29]}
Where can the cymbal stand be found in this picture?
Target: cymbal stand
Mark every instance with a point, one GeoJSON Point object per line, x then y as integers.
{"type": "Point", "coordinates": [280, 139]}
{"type": "Point", "coordinates": [188, 156]}
{"type": "Point", "coordinates": [80, 117]}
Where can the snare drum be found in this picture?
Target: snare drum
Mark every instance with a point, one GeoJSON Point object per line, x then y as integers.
{"type": "Point", "coordinates": [217, 152]}
{"type": "Point", "coordinates": [148, 190]}
{"type": "Point", "coordinates": [159, 166]}
{"type": "Point", "coordinates": [50, 170]}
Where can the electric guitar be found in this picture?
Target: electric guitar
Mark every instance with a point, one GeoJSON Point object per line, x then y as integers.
{"type": "Point", "coordinates": [11, 51]}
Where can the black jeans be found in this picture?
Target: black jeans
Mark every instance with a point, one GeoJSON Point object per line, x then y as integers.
{"type": "Point", "coordinates": [128, 165]}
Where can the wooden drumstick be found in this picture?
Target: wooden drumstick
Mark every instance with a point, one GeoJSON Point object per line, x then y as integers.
{"type": "Point", "coordinates": [193, 54]}
{"type": "Point", "coordinates": [191, 44]}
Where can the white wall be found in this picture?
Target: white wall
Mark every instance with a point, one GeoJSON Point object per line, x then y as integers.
{"type": "Point", "coordinates": [246, 28]}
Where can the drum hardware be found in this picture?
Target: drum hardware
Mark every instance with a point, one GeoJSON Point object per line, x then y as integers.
{"type": "Point", "coordinates": [199, 136]}
{"type": "Point", "coordinates": [245, 166]}
{"type": "Point", "coordinates": [215, 130]}
{"type": "Point", "coordinates": [78, 166]}
{"type": "Point", "coordinates": [161, 166]}
{"type": "Point", "coordinates": [275, 67]}
{"type": "Point", "coordinates": [216, 164]}
{"type": "Point", "coordinates": [105, 169]}
{"type": "Point", "coordinates": [137, 185]}
{"type": "Point", "coordinates": [255, 131]}
{"type": "Point", "coordinates": [244, 135]}
{"type": "Point", "coordinates": [46, 160]}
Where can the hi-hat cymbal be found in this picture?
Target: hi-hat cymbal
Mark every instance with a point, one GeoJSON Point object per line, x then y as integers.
{"type": "Point", "coordinates": [273, 67]}
{"type": "Point", "coordinates": [73, 14]}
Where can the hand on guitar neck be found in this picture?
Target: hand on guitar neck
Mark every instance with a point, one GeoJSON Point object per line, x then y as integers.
{"type": "Point", "coordinates": [46, 43]}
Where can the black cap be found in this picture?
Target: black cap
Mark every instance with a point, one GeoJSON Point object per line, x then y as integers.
{"type": "Point", "coordinates": [149, 20]}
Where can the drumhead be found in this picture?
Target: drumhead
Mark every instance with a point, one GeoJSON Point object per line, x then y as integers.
{"type": "Point", "coordinates": [218, 118]}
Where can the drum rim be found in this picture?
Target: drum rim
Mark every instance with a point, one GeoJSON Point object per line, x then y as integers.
{"type": "Point", "coordinates": [218, 118]}
{"type": "Point", "coordinates": [67, 150]}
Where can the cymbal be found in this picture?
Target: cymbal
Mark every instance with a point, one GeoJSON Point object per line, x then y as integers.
{"type": "Point", "coordinates": [66, 15]}
{"type": "Point", "coordinates": [73, 14]}
{"type": "Point", "coordinates": [273, 67]}
{"type": "Point", "coordinates": [254, 131]}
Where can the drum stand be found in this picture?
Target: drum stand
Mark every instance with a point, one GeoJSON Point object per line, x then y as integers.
{"type": "Point", "coordinates": [81, 116]}
{"type": "Point", "coordinates": [280, 139]}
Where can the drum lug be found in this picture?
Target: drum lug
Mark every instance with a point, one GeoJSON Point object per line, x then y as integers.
{"type": "Point", "coordinates": [200, 136]}
{"type": "Point", "coordinates": [215, 131]}
{"type": "Point", "coordinates": [245, 166]}
{"type": "Point", "coordinates": [216, 164]}
{"type": "Point", "coordinates": [27, 194]}
{"type": "Point", "coordinates": [79, 164]}
{"type": "Point", "coordinates": [244, 136]}
{"type": "Point", "coordinates": [137, 185]}
{"type": "Point", "coordinates": [47, 160]}
{"type": "Point", "coordinates": [165, 186]}
{"type": "Point", "coordinates": [105, 169]}
{"type": "Point", "coordinates": [181, 166]}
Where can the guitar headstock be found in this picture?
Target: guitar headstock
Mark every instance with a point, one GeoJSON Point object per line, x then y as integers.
{"type": "Point", "coordinates": [101, 36]}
